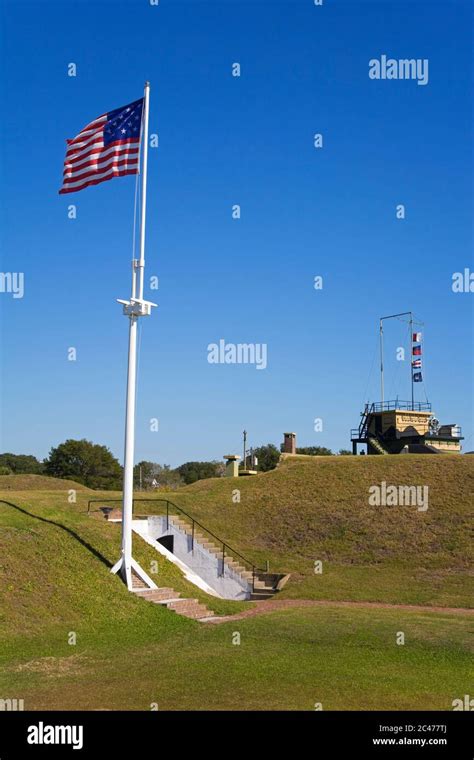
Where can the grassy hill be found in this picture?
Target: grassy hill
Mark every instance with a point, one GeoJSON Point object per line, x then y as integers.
{"type": "Point", "coordinates": [55, 580]}
{"type": "Point", "coordinates": [318, 509]}
{"type": "Point", "coordinates": [38, 483]}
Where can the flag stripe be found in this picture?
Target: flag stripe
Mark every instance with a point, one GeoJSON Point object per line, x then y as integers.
{"type": "Point", "coordinates": [89, 127]}
{"type": "Point", "coordinates": [81, 146]}
{"type": "Point", "coordinates": [70, 181]}
{"type": "Point", "coordinates": [75, 155]}
{"type": "Point", "coordinates": [99, 161]}
{"type": "Point", "coordinates": [110, 175]}
{"type": "Point", "coordinates": [90, 171]}
{"type": "Point", "coordinates": [98, 148]}
{"type": "Point", "coordinates": [89, 130]}
{"type": "Point", "coordinates": [100, 152]}
{"type": "Point", "coordinates": [84, 137]}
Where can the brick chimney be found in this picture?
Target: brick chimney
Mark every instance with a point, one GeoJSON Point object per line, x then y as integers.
{"type": "Point", "coordinates": [289, 443]}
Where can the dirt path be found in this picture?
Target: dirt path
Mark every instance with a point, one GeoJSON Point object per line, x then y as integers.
{"type": "Point", "coordinates": [274, 605]}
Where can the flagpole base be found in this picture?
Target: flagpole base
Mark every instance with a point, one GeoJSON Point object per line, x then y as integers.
{"type": "Point", "coordinates": [124, 569]}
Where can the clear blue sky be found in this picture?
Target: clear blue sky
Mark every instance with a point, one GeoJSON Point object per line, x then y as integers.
{"type": "Point", "coordinates": [305, 212]}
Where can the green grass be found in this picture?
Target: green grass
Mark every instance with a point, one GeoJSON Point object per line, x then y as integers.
{"type": "Point", "coordinates": [55, 562]}
{"type": "Point", "coordinates": [55, 579]}
{"type": "Point", "coordinates": [347, 660]}
{"type": "Point", "coordinates": [39, 483]}
{"type": "Point", "coordinates": [317, 509]}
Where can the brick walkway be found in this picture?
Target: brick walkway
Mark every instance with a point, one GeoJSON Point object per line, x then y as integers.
{"type": "Point", "coordinates": [275, 605]}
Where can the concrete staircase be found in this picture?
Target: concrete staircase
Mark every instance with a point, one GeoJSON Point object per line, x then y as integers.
{"type": "Point", "coordinates": [262, 592]}
{"type": "Point", "coordinates": [137, 582]}
{"type": "Point", "coordinates": [263, 589]}
{"type": "Point", "coordinates": [169, 598]}
{"type": "Point", "coordinates": [265, 585]}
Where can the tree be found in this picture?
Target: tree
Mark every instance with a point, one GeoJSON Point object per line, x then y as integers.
{"type": "Point", "coordinates": [315, 451]}
{"type": "Point", "coordinates": [143, 473]}
{"type": "Point", "coordinates": [152, 471]}
{"type": "Point", "coordinates": [87, 463]}
{"type": "Point", "coordinates": [192, 471]}
{"type": "Point", "coordinates": [267, 456]}
{"type": "Point", "coordinates": [168, 478]}
{"type": "Point", "coordinates": [344, 453]}
{"type": "Point", "coordinates": [21, 463]}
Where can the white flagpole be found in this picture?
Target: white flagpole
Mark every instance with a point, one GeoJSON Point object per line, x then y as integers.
{"type": "Point", "coordinates": [141, 262]}
{"type": "Point", "coordinates": [133, 309]}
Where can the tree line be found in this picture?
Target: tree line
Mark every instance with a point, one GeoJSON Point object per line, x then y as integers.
{"type": "Point", "coordinates": [95, 466]}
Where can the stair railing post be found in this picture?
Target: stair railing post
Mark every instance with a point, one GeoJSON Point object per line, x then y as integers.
{"type": "Point", "coordinates": [223, 557]}
{"type": "Point", "coordinates": [167, 515]}
{"type": "Point", "coordinates": [253, 579]}
{"type": "Point", "coordinates": [192, 539]}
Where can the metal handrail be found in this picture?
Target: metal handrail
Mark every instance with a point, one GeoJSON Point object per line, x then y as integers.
{"type": "Point", "coordinates": [92, 501]}
{"type": "Point", "coordinates": [225, 546]}
{"type": "Point", "coordinates": [388, 406]}
{"type": "Point", "coordinates": [361, 433]}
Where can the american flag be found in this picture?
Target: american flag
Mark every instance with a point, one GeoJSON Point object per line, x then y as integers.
{"type": "Point", "coordinates": [107, 147]}
{"type": "Point", "coordinates": [416, 364]}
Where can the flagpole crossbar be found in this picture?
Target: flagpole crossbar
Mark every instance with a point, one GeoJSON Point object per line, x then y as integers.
{"type": "Point", "coordinates": [136, 307]}
{"type": "Point", "coordinates": [404, 314]}
{"type": "Point", "coordinates": [411, 321]}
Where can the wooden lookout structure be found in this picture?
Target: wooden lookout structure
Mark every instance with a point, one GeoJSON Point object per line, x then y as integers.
{"type": "Point", "coordinates": [395, 427]}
